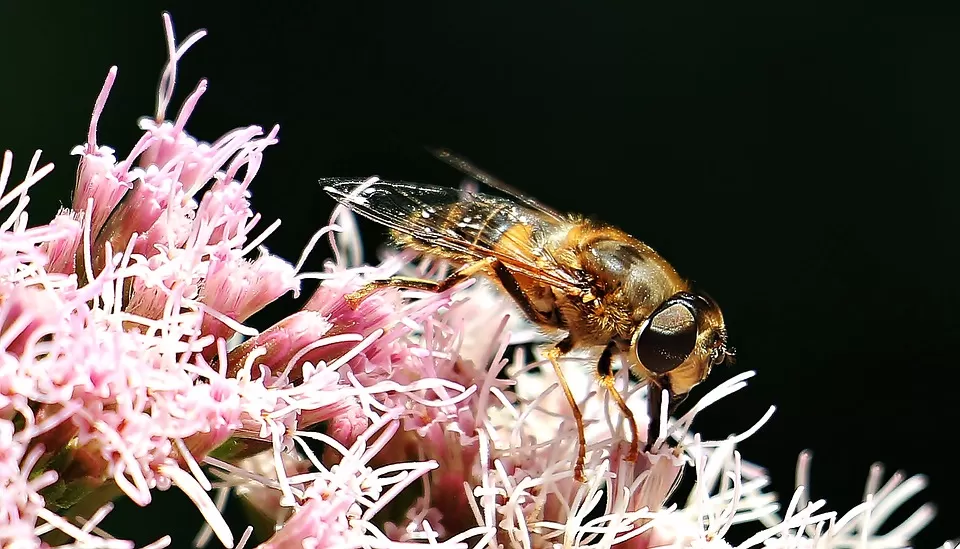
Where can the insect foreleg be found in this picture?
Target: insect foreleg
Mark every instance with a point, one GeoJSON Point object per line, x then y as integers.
{"type": "Point", "coordinates": [654, 409]}
{"type": "Point", "coordinates": [608, 381]}
{"type": "Point", "coordinates": [655, 387]}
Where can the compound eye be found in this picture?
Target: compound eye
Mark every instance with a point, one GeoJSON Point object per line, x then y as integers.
{"type": "Point", "coordinates": [668, 339]}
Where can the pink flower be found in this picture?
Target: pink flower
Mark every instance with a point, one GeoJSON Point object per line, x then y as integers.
{"type": "Point", "coordinates": [107, 312]}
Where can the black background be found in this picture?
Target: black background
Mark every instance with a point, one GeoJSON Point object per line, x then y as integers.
{"type": "Point", "coordinates": [801, 166]}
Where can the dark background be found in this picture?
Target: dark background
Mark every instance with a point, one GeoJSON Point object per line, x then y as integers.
{"type": "Point", "coordinates": [802, 167]}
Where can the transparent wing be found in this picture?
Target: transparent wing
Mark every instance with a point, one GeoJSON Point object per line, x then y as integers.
{"type": "Point", "coordinates": [468, 168]}
{"type": "Point", "coordinates": [471, 226]}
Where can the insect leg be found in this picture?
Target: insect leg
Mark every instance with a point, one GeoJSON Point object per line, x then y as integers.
{"type": "Point", "coordinates": [654, 404]}
{"type": "Point", "coordinates": [554, 354]}
{"type": "Point", "coordinates": [609, 382]}
{"type": "Point", "coordinates": [512, 287]}
{"type": "Point", "coordinates": [411, 283]}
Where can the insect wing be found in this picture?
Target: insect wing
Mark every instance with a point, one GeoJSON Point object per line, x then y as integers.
{"type": "Point", "coordinates": [467, 168]}
{"type": "Point", "coordinates": [470, 225]}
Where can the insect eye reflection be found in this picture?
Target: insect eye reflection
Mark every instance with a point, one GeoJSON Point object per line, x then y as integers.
{"type": "Point", "coordinates": [668, 339]}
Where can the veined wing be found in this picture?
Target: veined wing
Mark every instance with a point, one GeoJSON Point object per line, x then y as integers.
{"type": "Point", "coordinates": [466, 167]}
{"type": "Point", "coordinates": [472, 226]}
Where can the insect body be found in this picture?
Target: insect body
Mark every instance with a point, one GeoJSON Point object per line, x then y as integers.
{"type": "Point", "coordinates": [595, 285]}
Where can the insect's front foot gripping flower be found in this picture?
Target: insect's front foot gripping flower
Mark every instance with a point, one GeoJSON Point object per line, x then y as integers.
{"type": "Point", "coordinates": [127, 367]}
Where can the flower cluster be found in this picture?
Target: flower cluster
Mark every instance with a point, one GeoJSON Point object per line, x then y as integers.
{"type": "Point", "coordinates": [126, 367]}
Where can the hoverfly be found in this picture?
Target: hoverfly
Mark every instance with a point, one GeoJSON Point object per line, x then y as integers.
{"type": "Point", "coordinates": [591, 284]}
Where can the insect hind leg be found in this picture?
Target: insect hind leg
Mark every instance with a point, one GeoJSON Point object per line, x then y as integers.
{"type": "Point", "coordinates": [411, 283]}
{"type": "Point", "coordinates": [405, 282]}
{"type": "Point", "coordinates": [608, 381]}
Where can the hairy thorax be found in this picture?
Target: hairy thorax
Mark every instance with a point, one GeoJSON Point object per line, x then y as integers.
{"type": "Point", "coordinates": [627, 281]}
